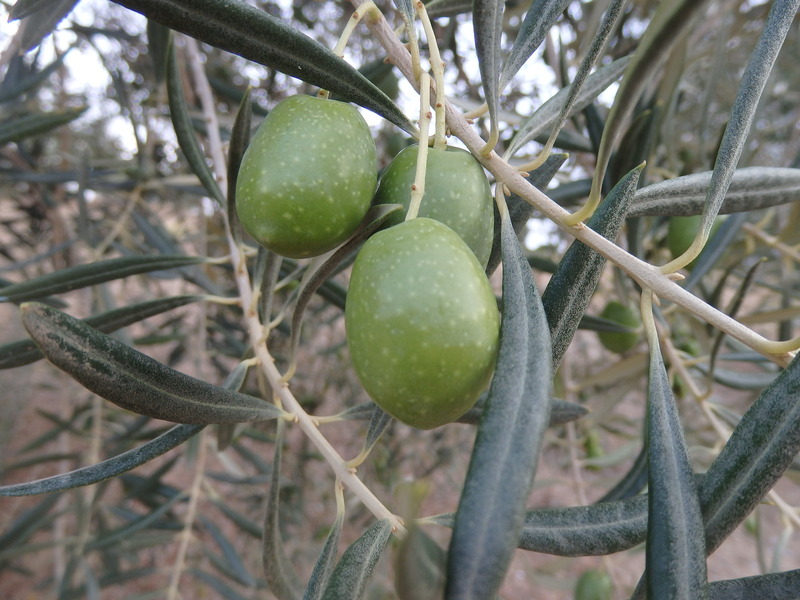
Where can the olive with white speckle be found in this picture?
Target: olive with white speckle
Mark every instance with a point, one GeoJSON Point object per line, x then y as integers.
{"type": "Point", "coordinates": [307, 178]}
{"type": "Point", "coordinates": [422, 323]}
{"type": "Point", "coordinates": [457, 193]}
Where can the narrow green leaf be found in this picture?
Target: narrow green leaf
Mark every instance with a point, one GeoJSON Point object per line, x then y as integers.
{"type": "Point", "coordinates": [254, 34]}
{"type": "Point", "coordinates": [671, 21]}
{"type": "Point", "coordinates": [594, 530]}
{"type": "Point", "coordinates": [240, 139]}
{"type": "Point", "coordinates": [12, 91]}
{"type": "Point", "coordinates": [234, 565]}
{"type": "Point", "coordinates": [571, 287]}
{"type": "Point", "coordinates": [751, 188]}
{"type": "Point", "coordinates": [32, 31]}
{"type": "Point", "coordinates": [751, 85]}
{"type": "Point", "coordinates": [24, 352]}
{"type": "Point", "coordinates": [18, 531]}
{"type": "Point", "coordinates": [211, 582]}
{"type": "Point", "coordinates": [771, 586]}
{"type": "Point", "coordinates": [323, 568]}
{"type": "Point", "coordinates": [281, 576]}
{"type": "Point", "coordinates": [633, 482]}
{"type": "Point", "coordinates": [406, 11]}
{"type": "Point", "coordinates": [184, 130]}
{"type": "Point", "coordinates": [543, 119]}
{"type": "Point", "coordinates": [561, 412]}
{"type": "Point", "coordinates": [539, 19]}
{"type": "Point", "coordinates": [18, 128]}
{"type": "Point", "coordinates": [759, 451]}
{"type": "Point", "coordinates": [133, 380]}
{"type": "Point", "coordinates": [108, 468]}
{"type": "Point", "coordinates": [378, 423]}
{"type": "Point", "coordinates": [81, 276]}
{"type": "Point", "coordinates": [718, 244]}
{"type": "Point", "coordinates": [503, 463]}
{"type": "Point", "coordinates": [675, 553]}
{"type": "Point", "coordinates": [419, 566]}
{"type": "Point", "coordinates": [159, 39]}
{"type": "Point", "coordinates": [521, 210]}
{"type": "Point", "coordinates": [448, 8]}
{"type": "Point", "coordinates": [353, 572]}
{"type": "Point", "coordinates": [487, 24]}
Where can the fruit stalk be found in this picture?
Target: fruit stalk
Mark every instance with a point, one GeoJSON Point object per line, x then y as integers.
{"type": "Point", "coordinates": [418, 188]}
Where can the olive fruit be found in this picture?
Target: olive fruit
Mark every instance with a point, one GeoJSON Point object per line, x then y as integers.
{"type": "Point", "coordinates": [422, 323]}
{"type": "Point", "coordinates": [620, 341]}
{"type": "Point", "coordinates": [308, 176]}
{"type": "Point", "coordinates": [457, 193]}
{"type": "Point", "coordinates": [593, 585]}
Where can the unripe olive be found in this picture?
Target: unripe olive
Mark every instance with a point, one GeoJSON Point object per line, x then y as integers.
{"type": "Point", "coordinates": [457, 193]}
{"type": "Point", "coordinates": [593, 585]}
{"type": "Point", "coordinates": [681, 232]}
{"type": "Point", "coordinates": [308, 177]}
{"type": "Point", "coordinates": [422, 323]}
{"type": "Point", "coordinates": [620, 341]}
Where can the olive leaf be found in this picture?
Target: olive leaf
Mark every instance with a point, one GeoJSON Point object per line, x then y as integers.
{"type": "Point", "coordinates": [354, 570]}
{"type": "Point", "coordinates": [12, 88]}
{"type": "Point", "coordinates": [48, 14]}
{"type": "Point", "coordinates": [240, 138]}
{"type": "Point", "coordinates": [80, 276]}
{"type": "Point", "coordinates": [777, 586]}
{"type": "Point", "coordinates": [751, 85]}
{"type": "Point", "coordinates": [133, 380]}
{"type": "Point", "coordinates": [184, 130]}
{"type": "Point", "coordinates": [18, 128]}
{"type": "Point", "coordinates": [281, 576]}
{"type": "Point", "coordinates": [572, 285]}
{"type": "Point", "coordinates": [539, 19]}
{"type": "Point", "coordinates": [548, 113]}
{"type": "Point", "coordinates": [487, 23]}
{"type": "Point", "coordinates": [632, 482]}
{"type": "Point", "coordinates": [751, 188]}
{"type": "Point", "coordinates": [323, 568]}
{"type": "Point", "coordinates": [492, 506]}
{"type": "Point", "coordinates": [256, 35]}
{"type": "Point", "coordinates": [24, 352]}
{"type": "Point", "coordinates": [676, 552]}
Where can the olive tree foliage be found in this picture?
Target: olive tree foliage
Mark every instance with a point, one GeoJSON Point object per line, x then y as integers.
{"type": "Point", "coordinates": [658, 141]}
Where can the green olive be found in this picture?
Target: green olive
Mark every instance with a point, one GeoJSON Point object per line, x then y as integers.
{"type": "Point", "coordinates": [593, 585]}
{"type": "Point", "coordinates": [620, 341]}
{"type": "Point", "coordinates": [422, 323]}
{"type": "Point", "coordinates": [308, 177]}
{"type": "Point", "coordinates": [681, 232]}
{"type": "Point", "coordinates": [457, 193]}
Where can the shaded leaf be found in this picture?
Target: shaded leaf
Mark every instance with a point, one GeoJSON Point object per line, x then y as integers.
{"type": "Point", "coordinates": [159, 39]}
{"type": "Point", "coordinates": [80, 276]}
{"type": "Point", "coordinates": [212, 582]}
{"type": "Point", "coordinates": [24, 352]}
{"type": "Point", "coordinates": [760, 449]}
{"type": "Point", "coordinates": [12, 91]}
{"type": "Point", "coordinates": [503, 463]}
{"type": "Point", "coordinates": [419, 566]}
{"type": "Point", "coordinates": [572, 286]}
{"type": "Point", "coordinates": [278, 570]}
{"type": "Point", "coordinates": [448, 8]}
{"type": "Point", "coordinates": [240, 139]}
{"type": "Point", "coordinates": [108, 468]}
{"type": "Point", "coordinates": [184, 130]}
{"type": "Point", "coordinates": [539, 19]}
{"type": "Point", "coordinates": [487, 23]}
{"type": "Point", "coordinates": [751, 188]}
{"type": "Point", "coordinates": [256, 35]}
{"type": "Point", "coordinates": [543, 119]}
{"type": "Point", "coordinates": [235, 567]}
{"type": "Point", "coordinates": [771, 586]}
{"type": "Point", "coordinates": [323, 568]}
{"type": "Point", "coordinates": [633, 482]}
{"type": "Point", "coordinates": [594, 530]}
{"type": "Point", "coordinates": [133, 380]}
{"type": "Point", "coordinates": [18, 128]}
{"type": "Point", "coordinates": [675, 552]}
{"type": "Point", "coordinates": [32, 31]}
{"type": "Point", "coordinates": [354, 570]}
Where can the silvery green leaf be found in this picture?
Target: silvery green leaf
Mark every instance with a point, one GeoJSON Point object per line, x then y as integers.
{"type": "Point", "coordinates": [254, 34]}
{"type": "Point", "coordinates": [133, 380]}
{"type": "Point", "coordinates": [751, 188]}
{"type": "Point", "coordinates": [676, 551]}
{"type": "Point", "coordinates": [539, 19]}
{"type": "Point", "coordinates": [323, 568]}
{"type": "Point", "coordinates": [354, 570]}
{"type": "Point", "coordinates": [543, 119]}
{"type": "Point", "coordinates": [487, 23]}
{"type": "Point", "coordinates": [572, 286]}
{"type": "Point", "coordinates": [20, 127]}
{"type": "Point", "coordinates": [491, 510]}
{"type": "Point", "coordinates": [774, 586]}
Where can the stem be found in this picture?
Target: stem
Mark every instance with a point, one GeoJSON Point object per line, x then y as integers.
{"type": "Point", "coordinates": [418, 187]}
{"type": "Point", "coordinates": [437, 68]}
